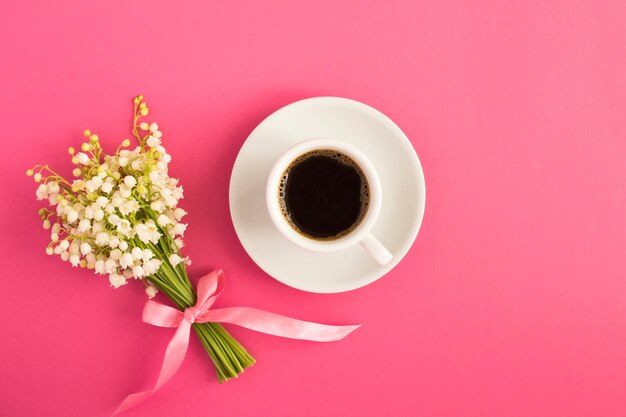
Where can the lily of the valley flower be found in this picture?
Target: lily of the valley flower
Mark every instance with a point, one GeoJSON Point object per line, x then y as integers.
{"type": "Point", "coordinates": [113, 215]}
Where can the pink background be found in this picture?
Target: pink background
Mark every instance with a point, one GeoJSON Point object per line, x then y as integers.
{"type": "Point", "coordinates": [512, 302]}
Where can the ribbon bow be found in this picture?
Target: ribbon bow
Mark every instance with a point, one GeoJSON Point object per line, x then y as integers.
{"type": "Point", "coordinates": [210, 287]}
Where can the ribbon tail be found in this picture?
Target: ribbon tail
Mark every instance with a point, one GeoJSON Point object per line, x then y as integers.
{"type": "Point", "coordinates": [278, 325]}
{"type": "Point", "coordinates": [131, 401]}
{"type": "Point", "coordinates": [174, 355]}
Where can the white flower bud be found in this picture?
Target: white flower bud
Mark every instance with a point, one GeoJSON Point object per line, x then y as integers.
{"type": "Point", "coordinates": [99, 267]}
{"type": "Point", "coordinates": [126, 260]}
{"type": "Point", "coordinates": [102, 201]}
{"type": "Point", "coordinates": [117, 200]}
{"type": "Point", "coordinates": [179, 213]}
{"type": "Point", "coordinates": [42, 192]}
{"type": "Point", "coordinates": [157, 206]}
{"type": "Point", "coordinates": [110, 266]}
{"type": "Point", "coordinates": [124, 227]}
{"type": "Point", "coordinates": [163, 220]}
{"type": "Point", "coordinates": [74, 248]}
{"type": "Point", "coordinates": [54, 187]}
{"type": "Point", "coordinates": [115, 254]}
{"type": "Point", "coordinates": [82, 158]}
{"type": "Point", "coordinates": [117, 280]}
{"type": "Point", "coordinates": [84, 225]}
{"type": "Point", "coordinates": [130, 181]}
{"type": "Point", "coordinates": [136, 253]}
{"type": "Point", "coordinates": [102, 239]}
{"type": "Point", "coordinates": [114, 241]}
{"type": "Point", "coordinates": [74, 260]}
{"type": "Point", "coordinates": [72, 216]}
{"type": "Point", "coordinates": [174, 259]}
{"type": "Point", "coordinates": [142, 232]}
{"type": "Point", "coordinates": [85, 248]}
{"type": "Point", "coordinates": [46, 224]}
{"type": "Point", "coordinates": [124, 192]}
{"type": "Point", "coordinates": [123, 161]}
{"type": "Point", "coordinates": [138, 271]}
{"type": "Point", "coordinates": [153, 142]}
{"type": "Point", "coordinates": [179, 228]}
{"type": "Point", "coordinates": [155, 235]}
{"type": "Point", "coordinates": [151, 266]}
{"type": "Point", "coordinates": [154, 177]}
{"type": "Point", "coordinates": [146, 255]}
{"type": "Point", "coordinates": [129, 206]}
{"type": "Point", "coordinates": [114, 219]}
{"type": "Point", "coordinates": [49, 250]}
{"type": "Point", "coordinates": [123, 245]}
{"type": "Point", "coordinates": [107, 187]}
{"type": "Point", "coordinates": [65, 256]}
{"type": "Point", "coordinates": [98, 214]}
{"type": "Point", "coordinates": [151, 291]}
{"type": "Point", "coordinates": [97, 181]}
{"type": "Point", "coordinates": [92, 185]}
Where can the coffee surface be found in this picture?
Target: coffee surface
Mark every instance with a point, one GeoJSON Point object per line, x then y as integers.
{"type": "Point", "coordinates": [324, 194]}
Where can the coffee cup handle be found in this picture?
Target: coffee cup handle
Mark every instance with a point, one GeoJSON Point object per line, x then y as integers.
{"type": "Point", "coordinates": [376, 249]}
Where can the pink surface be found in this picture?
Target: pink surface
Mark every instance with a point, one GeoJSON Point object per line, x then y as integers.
{"type": "Point", "coordinates": [512, 300]}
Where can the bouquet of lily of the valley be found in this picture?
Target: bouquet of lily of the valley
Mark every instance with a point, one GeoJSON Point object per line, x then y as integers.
{"type": "Point", "coordinates": [119, 216]}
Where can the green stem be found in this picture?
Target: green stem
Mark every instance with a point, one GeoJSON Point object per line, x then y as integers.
{"type": "Point", "coordinates": [228, 356]}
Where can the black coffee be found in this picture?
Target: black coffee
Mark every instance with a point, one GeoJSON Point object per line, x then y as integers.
{"type": "Point", "coordinates": [323, 194]}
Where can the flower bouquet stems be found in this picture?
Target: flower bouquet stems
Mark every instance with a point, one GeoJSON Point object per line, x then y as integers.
{"type": "Point", "coordinates": [229, 357]}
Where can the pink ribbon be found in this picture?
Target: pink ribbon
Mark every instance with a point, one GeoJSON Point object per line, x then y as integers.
{"type": "Point", "coordinates": [209, 288]}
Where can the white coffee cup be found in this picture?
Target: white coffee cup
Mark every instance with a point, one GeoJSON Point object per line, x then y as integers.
{"type": "Point", "coordinates": [361, 234]}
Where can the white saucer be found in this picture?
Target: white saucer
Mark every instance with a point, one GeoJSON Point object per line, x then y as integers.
{"type": "Point", "coordinates": [390, 152]}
